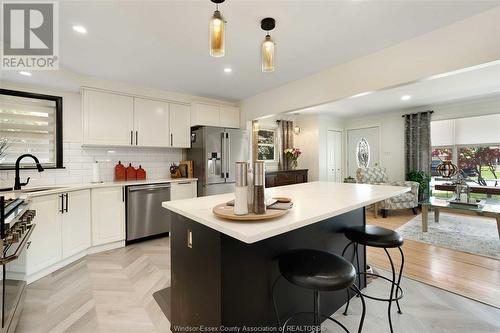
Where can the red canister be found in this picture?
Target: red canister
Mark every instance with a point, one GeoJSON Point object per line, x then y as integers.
{"type": "Point", "coordinates": [120, 172]}
{"type": "Point", "coordinates": [141, 173]}
{"type": "Point", "coordinates": [131, 172]}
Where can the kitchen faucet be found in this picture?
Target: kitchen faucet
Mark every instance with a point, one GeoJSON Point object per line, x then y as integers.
{"type": "Point", "coordinates": [17, 183]}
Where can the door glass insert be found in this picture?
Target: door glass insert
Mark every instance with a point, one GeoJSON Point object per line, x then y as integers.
{"type": "Point", "coordinates": [363, 153]}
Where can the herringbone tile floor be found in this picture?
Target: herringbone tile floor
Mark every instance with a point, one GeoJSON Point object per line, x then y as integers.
{"type": "Point", "coordinates": [112, 292]}
{"type": "Point", "coordinates": [104, 292]}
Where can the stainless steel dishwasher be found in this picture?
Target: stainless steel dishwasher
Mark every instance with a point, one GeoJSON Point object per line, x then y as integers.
{"type": "Point", "coordinates": [146, 218]}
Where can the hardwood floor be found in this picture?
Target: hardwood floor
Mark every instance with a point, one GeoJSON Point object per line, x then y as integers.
{"type": "Point", "coordinates": [466, 274]}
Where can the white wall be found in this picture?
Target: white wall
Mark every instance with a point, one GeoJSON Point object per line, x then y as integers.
{"type": "Point", "coordinates": [312, 141]}
{"type": "Point", "coordinates": [392, 127]}
{"type": "Point", "coordinates": [308, 142]}
{"type": "Point", "coordinates": [77, 159]}
{"type": "Point", "coordinates": [460, 45]}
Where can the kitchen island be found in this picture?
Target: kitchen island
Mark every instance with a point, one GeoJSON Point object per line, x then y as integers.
{"type": "Point", "coordinates": [222, 271]}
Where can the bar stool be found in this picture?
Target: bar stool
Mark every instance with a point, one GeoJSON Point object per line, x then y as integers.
{"type": "Point", "coordinates": [317, 271]}
{"type": "Point", "coordinates": [375, 236]}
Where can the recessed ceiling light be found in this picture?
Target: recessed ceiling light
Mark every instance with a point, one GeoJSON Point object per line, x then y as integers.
{"type": "Point", "coordinates": [405, 97]}
{"type": "Point", "coordinates": [227, 70]}
{"type": "Point", "coordinates": [80, 29]}
{"type": "Point", "coordinates": [25, 73]}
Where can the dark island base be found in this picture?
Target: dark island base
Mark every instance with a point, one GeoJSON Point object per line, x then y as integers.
{"type": "Point", "coordinates": [221, 281]}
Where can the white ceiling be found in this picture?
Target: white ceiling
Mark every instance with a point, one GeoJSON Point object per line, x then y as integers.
{"type": "Point", "coordinates": [164, 44]}
{"type": "Point", "coordinates": [467, 83]}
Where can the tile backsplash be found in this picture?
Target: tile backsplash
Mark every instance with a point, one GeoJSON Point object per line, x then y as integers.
{"type": "Point", "coordinates": [78, 165]}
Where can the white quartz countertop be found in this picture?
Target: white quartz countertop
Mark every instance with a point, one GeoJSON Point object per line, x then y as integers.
{"type": "Point", "coordinates": [312, 202]}
{"type": "Point", "coordinates": [54, 189]}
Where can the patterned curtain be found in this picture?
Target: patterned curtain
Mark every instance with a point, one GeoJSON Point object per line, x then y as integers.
{"type": "Point", "coordinates": [418, 142]}
{"type": "Point", "coordinates": [285, 140]}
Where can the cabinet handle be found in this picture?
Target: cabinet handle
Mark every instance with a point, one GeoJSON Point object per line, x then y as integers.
{"type": "Point", "coordinates": [171, 139]}
{"type": "Point", "coordinates": [28, 245]}
{"type": "Point", "coordinates": [62, 204]}
{"type": "Point", "coordinates": [67, 195]}
{"type": "Point", "coordinates": [136, 138]}
{"type": "Point", "coordinates": [184, 183]}
{"type": "Point", "coordinates": [131, 138]}
{"type": "Point", "coordinates": [123, 194]}
{"type": "Point", "coordinates": [189, 239]}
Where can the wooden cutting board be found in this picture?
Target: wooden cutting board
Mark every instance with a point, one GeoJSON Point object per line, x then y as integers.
{"type": "Point", "coordinates": [227, 212]}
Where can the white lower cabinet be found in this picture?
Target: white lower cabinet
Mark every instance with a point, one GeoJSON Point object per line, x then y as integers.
{"type": "Point", "coordinates": [45, 242]}
{"type": "Point", "coordinates": [68, 225]}
{"type": "Point", "coordinates": [76, 223]}
{"type": "Point", "coordinates": [108, 215]}
{"type": "Point", "coordinates": [183, 190]}
{"type": "Point", "coordinates": [71, 224]}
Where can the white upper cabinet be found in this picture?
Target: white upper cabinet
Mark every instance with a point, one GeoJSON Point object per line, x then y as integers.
{"type": "Point", "coordinates": [203, 114]}
{"type": "Point", "coordinates": [229, 116]}
{"type": "Point", "coordinates": [151, 123]}
{"type": "Point", "coordinates": [114, 119]}
{"type": "Point", "coordinates": [180, 126]}
{"type": "Point", "coordinates": [107, 118]}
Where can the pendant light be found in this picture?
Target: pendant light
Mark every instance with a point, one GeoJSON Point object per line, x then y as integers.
{"type": "Point", "coordinates": [217, 32]}
{"type": "Point", "coordinates": [267, 48]}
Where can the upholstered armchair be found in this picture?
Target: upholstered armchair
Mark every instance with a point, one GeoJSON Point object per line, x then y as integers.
{"type": "Point", "coordinates": [378, 176]}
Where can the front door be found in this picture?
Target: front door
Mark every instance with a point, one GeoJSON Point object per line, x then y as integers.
{"type": "Point", "coordinates": [362, 148]}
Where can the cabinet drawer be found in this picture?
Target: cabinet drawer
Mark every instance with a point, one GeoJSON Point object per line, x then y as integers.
{"type": "Point", "coordinates": [285, 179]}
{"type": "Point", "coordinates": [183, 190]}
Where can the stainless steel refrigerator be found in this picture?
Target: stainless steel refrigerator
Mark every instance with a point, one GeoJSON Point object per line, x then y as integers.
{"type": "Point", "coordinates": [214, 151]}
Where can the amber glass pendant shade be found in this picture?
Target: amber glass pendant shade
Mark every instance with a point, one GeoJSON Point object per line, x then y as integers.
{"type": "Point", "coordinates": [268, 54]}
{"type": "Point", "coordinates": [217, 35]}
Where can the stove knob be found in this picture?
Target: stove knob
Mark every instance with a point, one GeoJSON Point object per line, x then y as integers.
{"type": "Point", "coordinates": [14, 237]}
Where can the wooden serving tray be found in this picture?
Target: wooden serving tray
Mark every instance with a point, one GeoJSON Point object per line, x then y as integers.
{"type": "Point", "coordinates": [227, 212]}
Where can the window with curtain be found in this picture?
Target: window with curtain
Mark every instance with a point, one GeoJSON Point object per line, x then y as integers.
{"type": "Point", "coordinates": [30, 124]}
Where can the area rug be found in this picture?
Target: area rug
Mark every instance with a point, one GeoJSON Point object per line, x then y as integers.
{"type": "Point", "coordinates": [476, 235]}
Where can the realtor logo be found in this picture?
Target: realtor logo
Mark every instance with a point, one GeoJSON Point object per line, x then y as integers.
{"type": "Point", "coordinates": [30, 36]}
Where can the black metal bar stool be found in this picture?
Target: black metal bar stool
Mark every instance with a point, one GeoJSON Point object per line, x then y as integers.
{"type": "Point", "coordinates": [375, 236]}
{"type": "Point", "coordinates": [317, 271]}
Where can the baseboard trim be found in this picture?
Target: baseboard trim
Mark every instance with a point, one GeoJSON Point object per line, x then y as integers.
{"type": "Point", "coordinates": [106, 247]}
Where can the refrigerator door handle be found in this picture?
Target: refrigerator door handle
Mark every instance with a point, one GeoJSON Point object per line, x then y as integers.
{"type": "Point", "coordinates": [223, 157]}
{"type": "Point", "coordinates": [228, 154]}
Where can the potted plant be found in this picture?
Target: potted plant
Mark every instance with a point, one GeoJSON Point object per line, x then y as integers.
{"type": "Point", "coordinates": [423, 179]}
{"type": "Point", "coordinates": [292, 155]}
